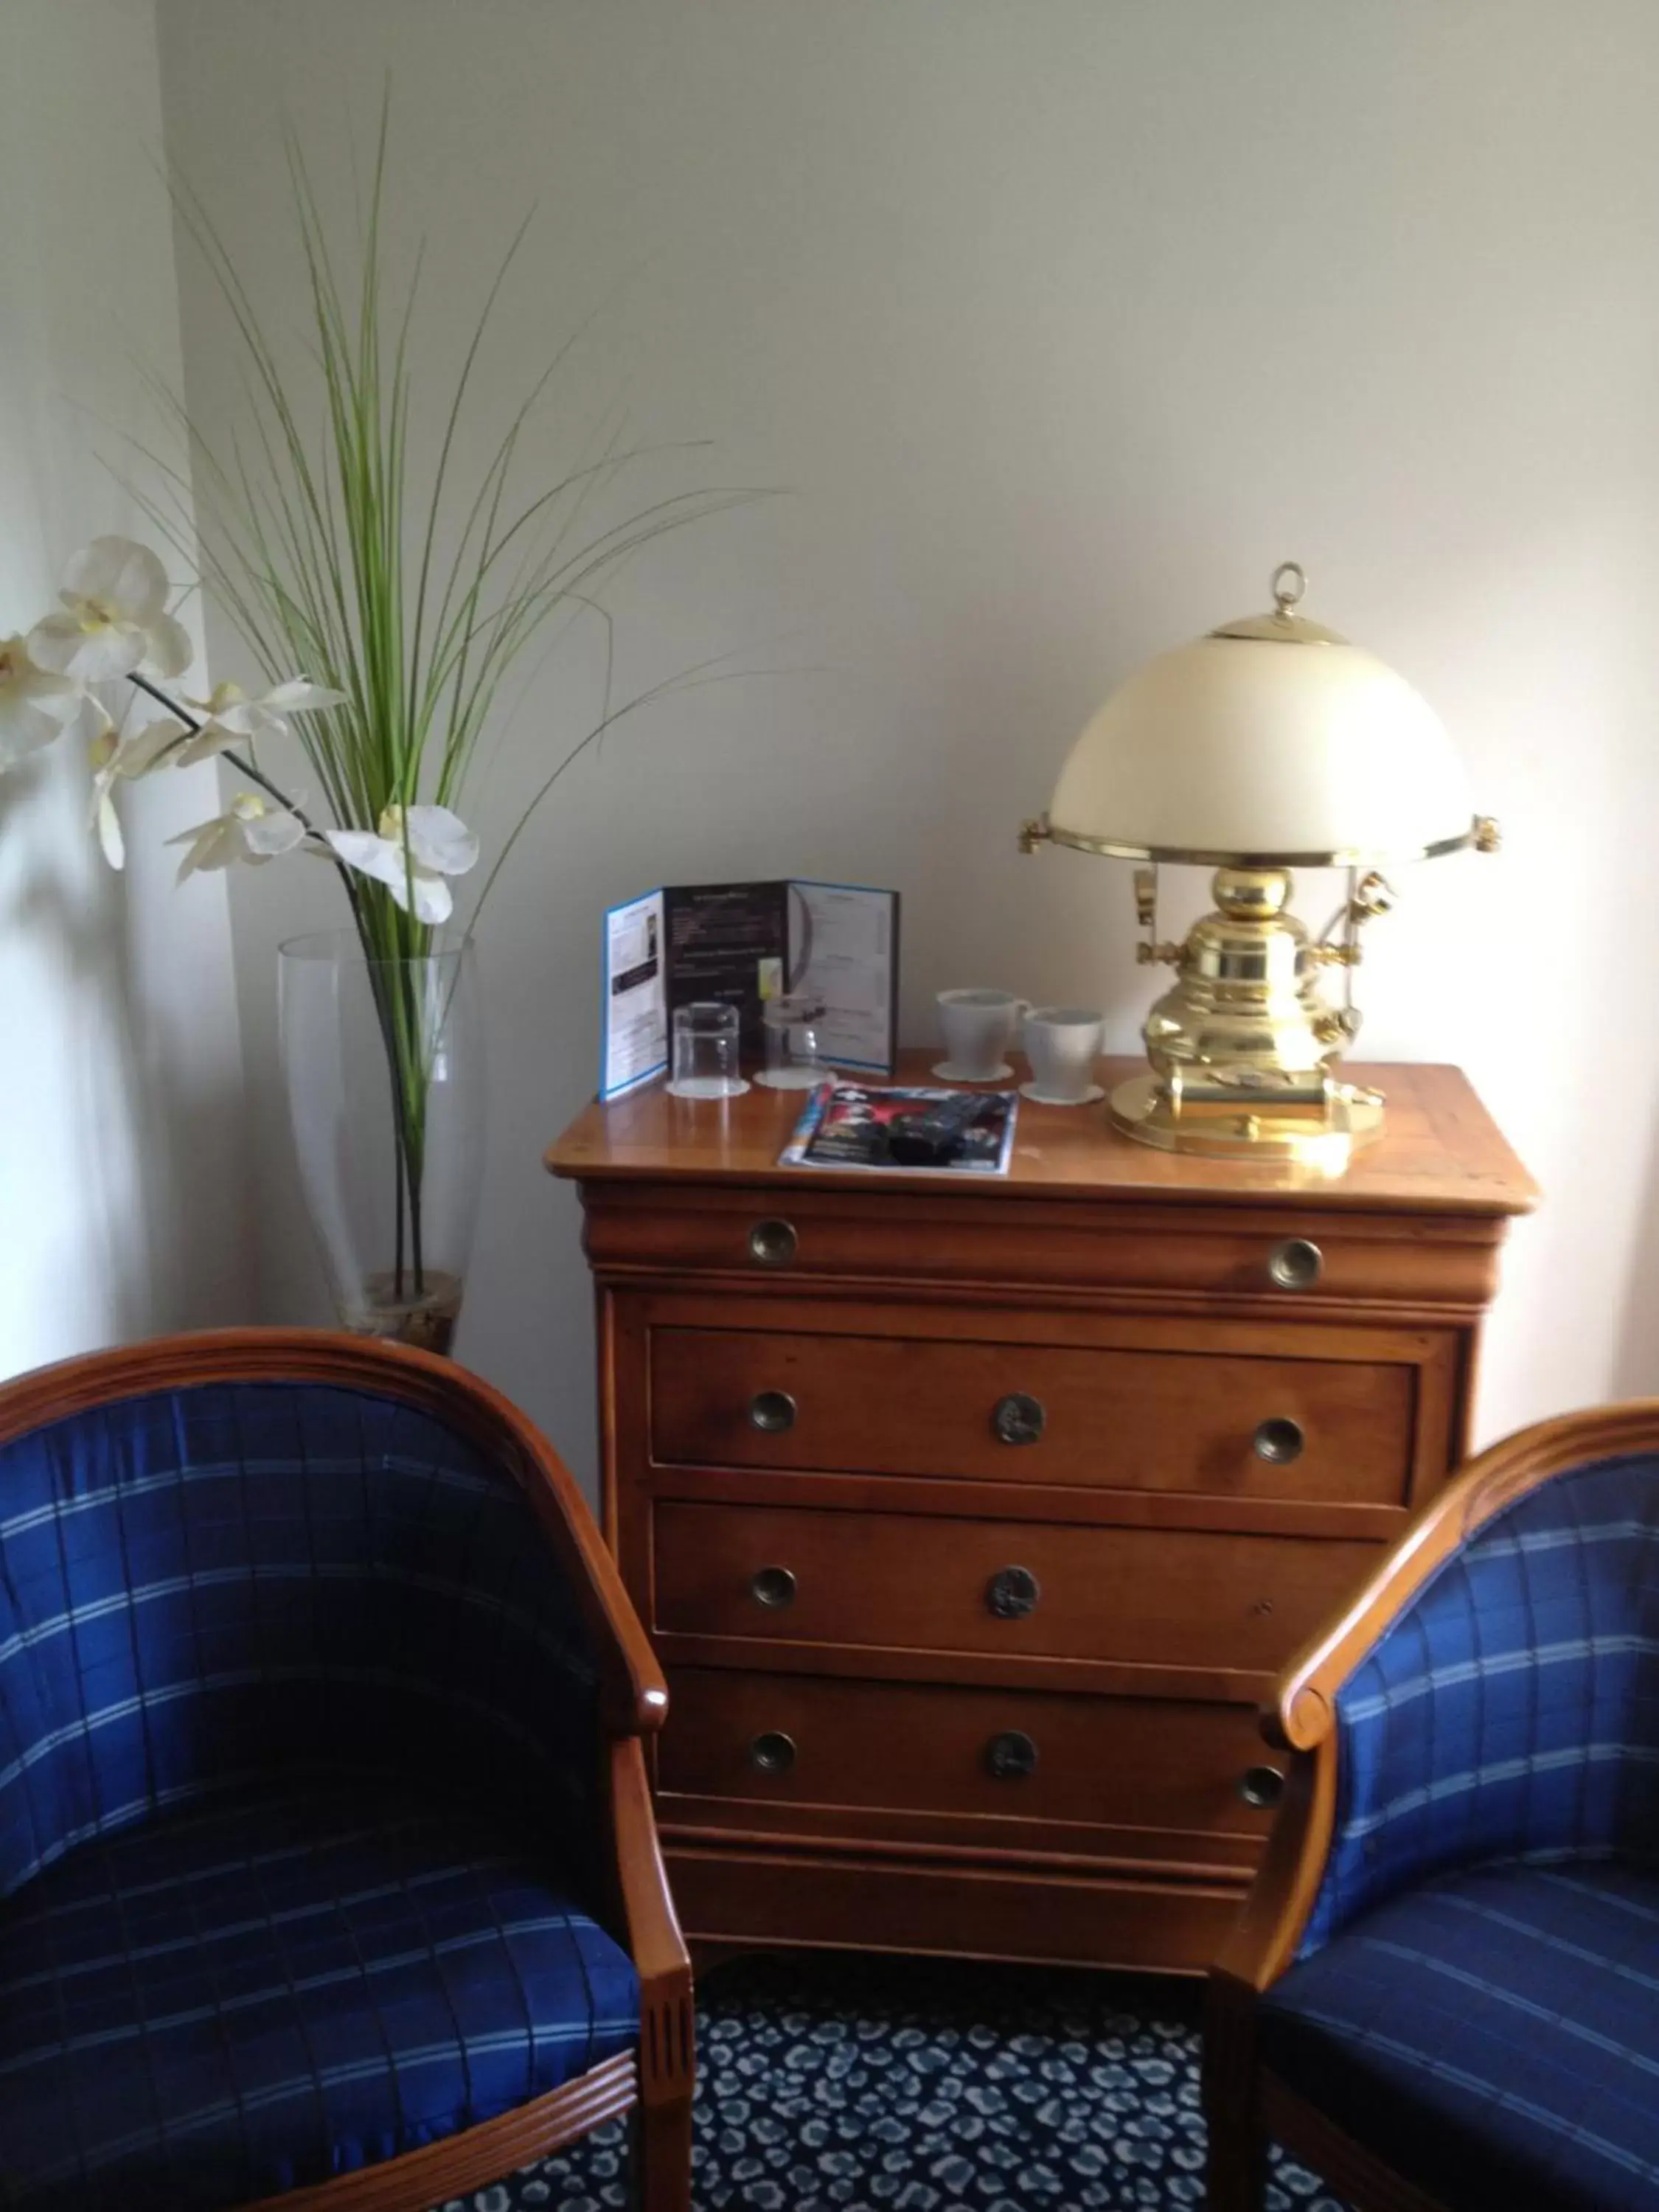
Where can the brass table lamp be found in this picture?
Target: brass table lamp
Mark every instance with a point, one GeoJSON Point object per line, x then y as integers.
{"type": "Point", "coordinates": [1270, 744]}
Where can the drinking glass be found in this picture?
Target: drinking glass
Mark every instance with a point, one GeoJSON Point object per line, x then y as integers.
{"type": "Point", "coordinates": [792, 1045]}
{"type": "Point", "coordinates": [706, 1051]}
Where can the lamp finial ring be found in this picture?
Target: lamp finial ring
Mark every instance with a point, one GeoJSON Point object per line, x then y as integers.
{"type": "Point", "coordinates": [1289, 584]}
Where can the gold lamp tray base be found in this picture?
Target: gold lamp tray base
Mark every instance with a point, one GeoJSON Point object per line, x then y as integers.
{"type": "Point", "coordinates": [1319, 1126]}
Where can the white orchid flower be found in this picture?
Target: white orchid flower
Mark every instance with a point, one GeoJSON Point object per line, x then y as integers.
{"type": "Point", "coordinates": [417, 847]}
{"type": "Point", "coordinates": [230, 718]}
{"type": "Point", "coordinates": [34, 703]}
{"type": "Point", "coordinates": [100, 813]}
{"type": "Point", "coordinates": [114, 618]}
{"type": "Point", "coordinates": [114, 758]}
{"type": "Point", "coordinates": [252, 830]}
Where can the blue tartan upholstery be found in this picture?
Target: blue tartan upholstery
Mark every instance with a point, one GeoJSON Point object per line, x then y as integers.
{"type": "Point", "coordinates": [1513, 1710]}
{"type": "Point", "coordinates": [1492, 2035]}
{"type": "Point", "coordinates": [271, 1605]}
{"type": "Point", "coordinates": [1476, 1995]}
{"type": "Point", "coordinates": [225, 2003]}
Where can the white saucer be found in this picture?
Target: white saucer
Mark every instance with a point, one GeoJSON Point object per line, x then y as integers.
{"type": "Point", "coordinates": [963, 1075]}
{"type": "Point", "coordinates": [1091, 1096]}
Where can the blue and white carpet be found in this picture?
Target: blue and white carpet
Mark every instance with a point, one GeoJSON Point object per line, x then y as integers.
{"type": "Point", "coordinates": [829, 2084]}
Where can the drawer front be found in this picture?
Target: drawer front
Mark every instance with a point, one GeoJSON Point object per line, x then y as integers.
{"type": "Point", "coordinates": [1152, 1596]}
{"type": "Point", "coordinates": [1290, 1258]}
{"type": "Point", "coordinates": [762, 1896]}
{"type": "Point", "coordinates": [1224, 1425]}
{"type": "Point", "coordinates": [793, 1740]}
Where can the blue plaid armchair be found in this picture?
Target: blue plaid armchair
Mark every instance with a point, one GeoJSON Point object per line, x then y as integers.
{"type": "Point", "coordinates": [1444, 1990]}
{"type": "Point", "coordinates": [327, 1869]}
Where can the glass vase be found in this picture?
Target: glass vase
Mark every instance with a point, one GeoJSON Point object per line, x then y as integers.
{"type": "Point", "coordinates": [384, 1066]}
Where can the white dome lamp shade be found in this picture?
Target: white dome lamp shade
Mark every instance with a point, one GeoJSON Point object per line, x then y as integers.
{"type": "Point", "coordinates": [1270, 745]}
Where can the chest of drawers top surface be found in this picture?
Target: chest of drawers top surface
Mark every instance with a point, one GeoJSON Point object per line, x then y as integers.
{"type": "Point", "coordinates": [1440, 1153]}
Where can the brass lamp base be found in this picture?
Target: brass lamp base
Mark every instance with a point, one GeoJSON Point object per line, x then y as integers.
{"type": "Point", "coordinates": [1318, 1126]}
{"type": "Point", "coordinates": [1243, 1047]}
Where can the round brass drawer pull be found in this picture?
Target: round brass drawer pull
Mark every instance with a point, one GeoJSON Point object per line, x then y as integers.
{"type": "Point", "coordinates": [1296, 1265]}
{"type": "Point", "coordinates": [1017, 1420]}
{"type": "Point", "coordinates": [1279, 1440]}
{"type": "Point", "coordinates": [1011, 1756]}
{"type": "Point", "coordinates": [773, 1586]}
{"type": "Point", "coordinates": [1011, 1593]}
{"type": "Point", "coordinates": [773, 1411]}
{"type": "Point", "coordinates": [773, 1243]}
{"type": "Point", "coordinates": [1261, 1786]}
{"type": "Point", "coordinates": [773, 1752]}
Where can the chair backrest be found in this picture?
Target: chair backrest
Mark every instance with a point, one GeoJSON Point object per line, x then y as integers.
{"type": "Point", "coordinates": [1512, 1710]}
{"type": "Point", "coordinates": [201, 1584]}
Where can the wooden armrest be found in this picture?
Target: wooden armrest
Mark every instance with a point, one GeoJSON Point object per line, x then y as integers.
{"type": "Point", "coordinates": [634, 1698]}
{"type": "Point", "coordinates": [1302, 1719]}
{"type": "Point", "coordinates": [1304, 1712]}
{"type": "Point", "coordinates": [1262, 1941]}
{"type": "Point", "coordinates": [667, 2032]}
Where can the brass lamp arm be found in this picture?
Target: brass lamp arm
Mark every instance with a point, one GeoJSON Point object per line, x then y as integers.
{"type": "Point", "coordinates": [1149, 952]}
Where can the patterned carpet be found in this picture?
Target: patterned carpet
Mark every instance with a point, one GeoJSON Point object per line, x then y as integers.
{"type": "Point", "coordinates": [833, 2084]}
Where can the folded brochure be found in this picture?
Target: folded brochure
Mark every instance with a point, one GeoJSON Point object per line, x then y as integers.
{"type": "Point", "coordinates": [743, 943]}
{"type": "Point", "coordinates": [856, 1126]}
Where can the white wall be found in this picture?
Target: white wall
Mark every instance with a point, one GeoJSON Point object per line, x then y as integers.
{"type": "Point", "coordinates": [1061, 321]}
{"type": "Point", "coordinates": [120, 1192]}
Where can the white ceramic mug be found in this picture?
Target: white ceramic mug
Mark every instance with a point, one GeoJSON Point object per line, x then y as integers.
{"type": "Point", "coordinates": [978, 1026]}
{"type": "Point", "coordinates": [1063, 1043]}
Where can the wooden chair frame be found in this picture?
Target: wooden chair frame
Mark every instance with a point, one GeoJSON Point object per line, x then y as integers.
{"type": "Point", "coordinates": [1245, 2104]}
{"type": "Point", "coordinates": [655, 2086]}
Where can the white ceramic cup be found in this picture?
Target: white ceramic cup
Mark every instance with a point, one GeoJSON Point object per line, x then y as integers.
{"type": "Point", "coordinates": [1063, 1043]}
{"type": "Point", "coordinates": [978, 1026]}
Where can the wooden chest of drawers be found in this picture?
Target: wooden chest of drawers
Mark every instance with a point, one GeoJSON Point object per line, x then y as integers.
{"type": "Point", "coordinates": [972, 1519]}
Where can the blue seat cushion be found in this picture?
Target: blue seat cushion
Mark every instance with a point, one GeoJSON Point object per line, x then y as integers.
{"type": "Point", "coordinates": [222, 2004]}
{"type": "Point", "coordinates": [1493, 2036]}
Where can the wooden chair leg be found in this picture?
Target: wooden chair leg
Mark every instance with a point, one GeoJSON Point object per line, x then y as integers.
{"type": "Point", "coordinates": [1238, 2164]}
{"type": "Point", "coordinates": [662, 2155]}
{"type": "Point", "coordinates": [668, 2028]}
{"type": "Point", "coordinates": [1232, 2111]}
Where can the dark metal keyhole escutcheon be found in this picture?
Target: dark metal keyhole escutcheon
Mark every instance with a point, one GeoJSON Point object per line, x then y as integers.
{"type": "Point", "coordinates": [1017, 1420]}
{"type": "Point", "coordinates": [1279, 1441]}
{"type": "Point", "coordinates": [1011, 1593]}
{"type": "Point", "coordinates": [772, 1243]}
{"type": "Point", "coordinates": [773, 1752]}
{"type": "Point", "coordinates": [773, 1586]}
{"type": "Point", "coordinates": [772, 1412]}
{"type": "Point", "coordinates": [1011, 1756]}
{"type": "Point", "coordinates": [1261, 1786]}
{"type": "Point", "coordinates": [1296, 1265]}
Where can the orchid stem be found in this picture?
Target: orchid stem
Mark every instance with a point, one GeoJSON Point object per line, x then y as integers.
{"type": "Point", "coordinates": [193, 726]}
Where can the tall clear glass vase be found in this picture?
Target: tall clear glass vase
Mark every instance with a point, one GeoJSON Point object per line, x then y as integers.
{"type": "Point", "coordinates": [384, 1065]}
